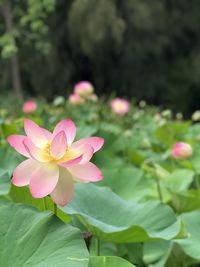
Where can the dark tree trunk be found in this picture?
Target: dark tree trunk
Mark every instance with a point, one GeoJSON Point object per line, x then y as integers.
{"type": "Point", "coordinates": [14, 63]}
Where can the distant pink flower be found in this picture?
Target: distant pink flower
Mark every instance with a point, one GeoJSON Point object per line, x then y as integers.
{"type": "Point", "coordinates": [54, 160]}
{"type": "Point", "coordinates": [119, 106]}
{"type": "Point", "coordinates": [29, 106]}
{"type": "Point", "coordinates": [181, 150]}
{"type": "Point", "coordinates": [75, 99]}
{"type": "Point", "coordinates": [83, 88]}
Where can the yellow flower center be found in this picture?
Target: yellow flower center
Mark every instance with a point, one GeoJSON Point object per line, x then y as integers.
{"type": "Point", "coordinates": [68, 155]}
{"type": "Point", "coordinates": [120, 106]}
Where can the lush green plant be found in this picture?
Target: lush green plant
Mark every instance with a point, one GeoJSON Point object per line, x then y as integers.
{"type": "Point", "coordinates": [145, 212]}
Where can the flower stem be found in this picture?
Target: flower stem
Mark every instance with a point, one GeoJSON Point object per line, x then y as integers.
{"type": "Point", "coordinates": [98, 246]}
{"type": "Point", "coordinates": [2, 133]}
{"type": "Point", "coordinates": [196, 177]}
{"type": "Point", "coordinates": [55, 208]}
{"type": "Point", "coordinates": [159, 189]}
{"type": "Point", "coordinates": [197, 181]}
{"type": "Point", "coordinates": [45, 203]}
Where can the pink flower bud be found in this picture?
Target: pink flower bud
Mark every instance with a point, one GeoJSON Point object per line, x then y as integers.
{"type": "Point", "coordinates": [181, 150]}
{"type": "Point", "coordinates": [119, 106]}
{"type": "Point", "coordinates": [29, 106]}
{"type": "Point", "coordinates": [83, 89]}
{"type": "Point", "coordinates": [75, 99]}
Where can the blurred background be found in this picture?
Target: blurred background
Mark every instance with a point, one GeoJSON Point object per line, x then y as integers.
{"type": "Point", "coordinates": [141, 49]}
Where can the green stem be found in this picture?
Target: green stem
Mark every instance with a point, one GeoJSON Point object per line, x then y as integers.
{"type": "Point", "coordinates": [117, 248]}
{"type": "Point", "coordinates": [1, 131]}
{"type": "Point", "coordinates": [45, 203]}
{"type": "Point", "coordinates": [159, 189]}
{"type": "Point", "coordinates": [196, 177]}
{"type": "Point", "coordinates": [197, 181]}
{"type": "Point", "coordinates": [55, 209]}
{"type": "Point", "coordinates": [173, 163]}
{"type": "Point", "coordinates": [98, 247]}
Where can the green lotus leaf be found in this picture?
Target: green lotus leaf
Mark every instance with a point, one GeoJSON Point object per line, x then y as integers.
{"type": "Point", "coordinates": [128, 182]}
{"type": "Point", "coordinates": [4, 182]}
{"type": "Point", "coordinates": [113, 219]}
{"type": "Point", "coordinates": [186, 201]}
{"type": "Point", "coordinates": [32, 238]}
{"type": "Point", "coordinates": [22, 195]}
{"type": "Point", "coordinates": [103, 261]}
{"type": "Point", "coordinates": [191, 245]}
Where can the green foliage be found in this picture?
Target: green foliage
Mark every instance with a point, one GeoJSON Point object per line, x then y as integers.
{"type": "Point", "coordinates": [145, 212]}
{"type": "Point", "coordinates": [88, 37]}
{"type": "Point", "coordinates": [4, 182]}
{"type": "Point", "coordinates": [191, 245]}
{"type": "Point", "coordinates": [38, 239]}
{"type": "Point", "coordinates": [8, 45]}
{"type": "Point", "coordinates": [108, 262]}
{"type": "Point", "coordinates": [30, 26]}
{"type": "Point", "coordinates": [142, 49]}
{"type": "Point", "coordinates": [128, 225]}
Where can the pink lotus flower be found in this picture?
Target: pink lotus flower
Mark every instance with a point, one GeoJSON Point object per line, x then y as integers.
{"type": "Point", "coordinates": [29, 106]}
{"type": "Point", "coordinates": [75, 99]}
{"type": "Point", "coordinates": [119, 106]}
{"type": "Point", "coordinates": [83, 89]}
{"type": "Point", "coordinates": [181, 150]}
{"type": "Point", "coordinates": [54, 160]}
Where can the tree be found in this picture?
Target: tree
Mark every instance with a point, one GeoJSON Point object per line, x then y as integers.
{"type": "Point", "coordinates": [29, 28]}
{"type": "Point", "coordinates": [9, 47]}
{"type": "Point", "coordinates": [138, 48]}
